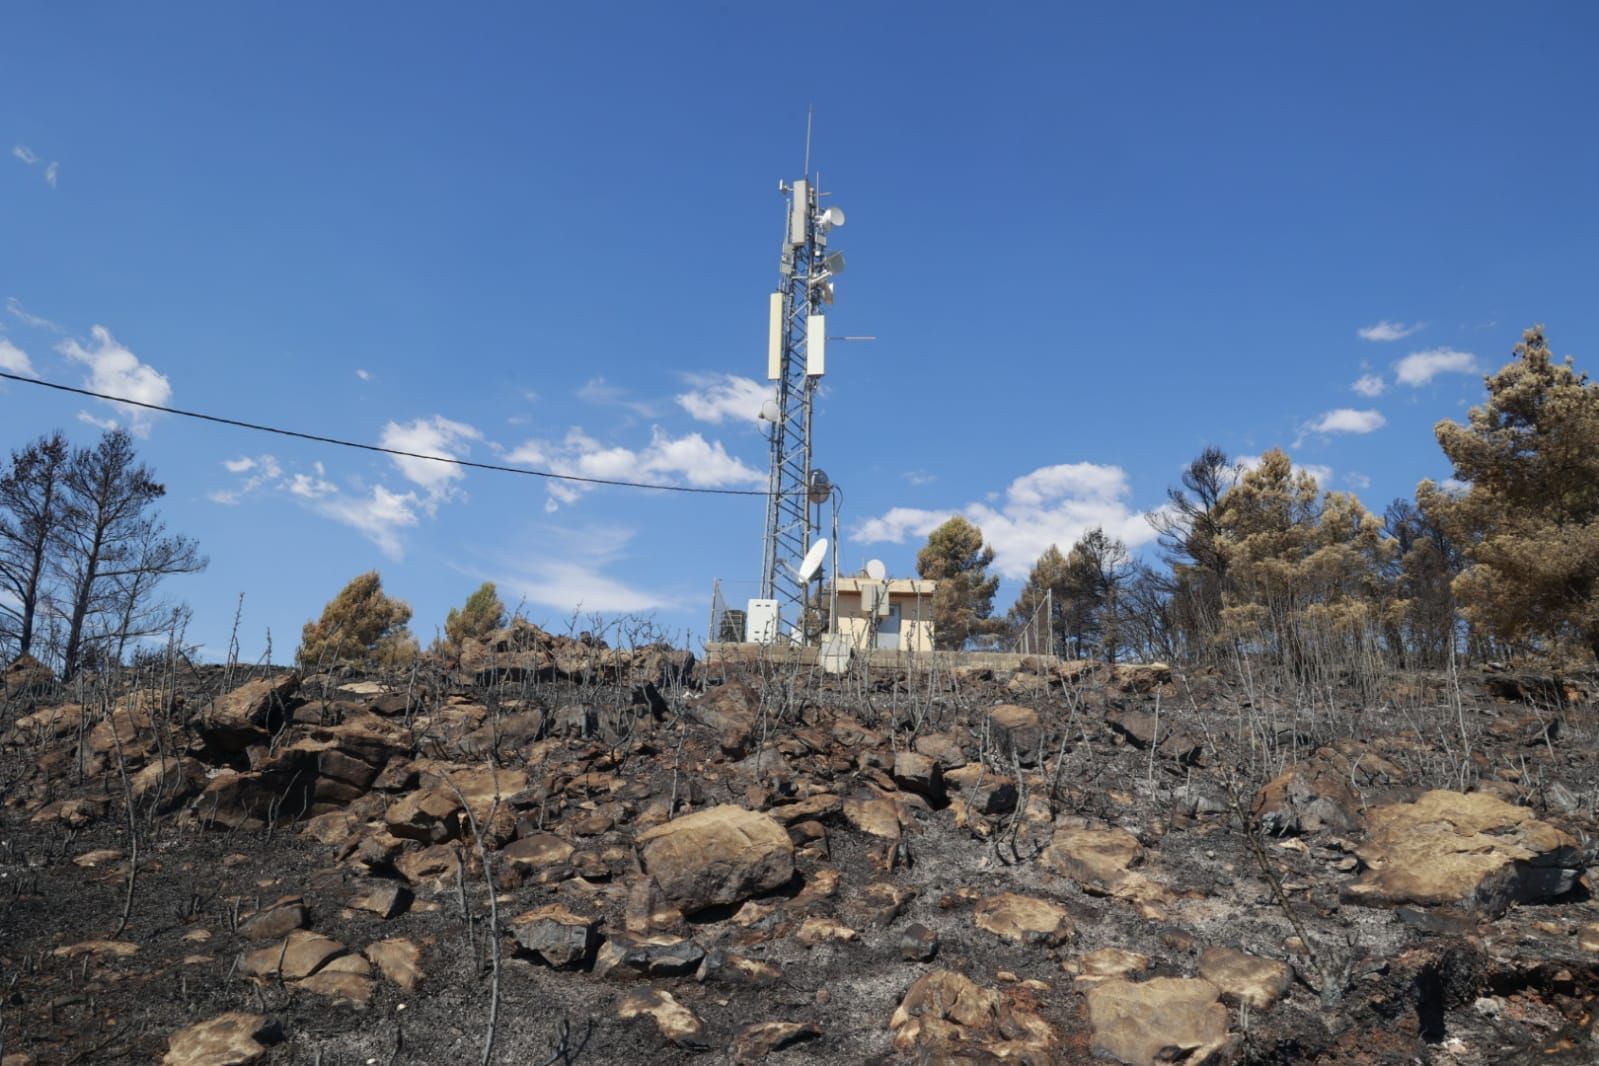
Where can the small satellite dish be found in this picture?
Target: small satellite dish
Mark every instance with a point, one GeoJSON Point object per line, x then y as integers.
{"type": "Point", "coordinates": [813, 560]}
{"type": "Point", "coordinates": [826, 288]}
{"type": "Point", "coordinates": [834, 263]}
{"type": "Point", "coordinates": [769, 411]}
{"type": "Point", "coordinates": [876, 570]}
{"type": "Point", "coordinates": [833, 216]}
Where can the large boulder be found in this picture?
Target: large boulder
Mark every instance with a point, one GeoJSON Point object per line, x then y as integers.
{"type": "Point", "coordinates": [1018, 733]}
{"type": "Point", "coordinates": [249, 714]}
{"type": "Point", "coordinates": [1464, 849]}
{"type": "Point", "coordinates": [1165, 1019]}
{"type": "Point", "coordinates": [717, 857]}
{"type": "Point", "coordinates": [731, 710]}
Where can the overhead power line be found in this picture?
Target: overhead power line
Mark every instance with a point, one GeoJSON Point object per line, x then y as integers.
{"type": "Point", "coordinates": [323, 439]}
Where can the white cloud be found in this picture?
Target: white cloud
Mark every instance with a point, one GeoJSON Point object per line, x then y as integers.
{"type": "Point", "coordinates": [106, 424]}
{"type": "Point", "coordinates": [1357, 481]}
{"type": "Point", "coordinates": [919, 477]}
{"type": "Point", "coordinates": [309, 487]}
{"type": "Point", "coordinates": [379, 516]}
{"type": "Point", "coordinates": [599, 391]}
{"type": "Point", "coordinates": [1050, 505]}
{"type": "Point", "coordinates": [689, 459]}
{"type": "Point", "coordinates": [566, 571]}
{"type": "Point", "coordinates": [14, 360]}
{"type": "Point", "coordinates": [364, 375]}
{"type": "Point", "coordinates": [1389, 331]}
{"type": "Point", "coordinates": [717, 398]}
{"type": "Point", "coordinates": [1454, 486]}
{"type": "Point", "coordinates": [1418, 368]}
{"type": "Point", "coordinates": [15, 308]}
{"type": "Point", "coordinates": [568, 586]}
{"type": "Point", "coordinates": [1371, 385]}
{"type": "Point", "coordinates": [26, 154]}
{"type": "Point", "coordinates": [51, 173]}
{"type": "Point", "coordinates": [239, 465]}
{"type": "Point", "coordinates": [116, 371]}
{"type": "Point", "coordinates": [430, 436]}
{"type": "Point", "coordinates": [1343, 420]}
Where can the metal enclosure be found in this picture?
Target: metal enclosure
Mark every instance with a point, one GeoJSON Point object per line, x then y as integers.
{"type": "Point", "coordinates": [760, 622]}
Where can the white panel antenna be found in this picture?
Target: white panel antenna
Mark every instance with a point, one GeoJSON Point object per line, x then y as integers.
{"type": "Point", "coordinates": [815, 345]}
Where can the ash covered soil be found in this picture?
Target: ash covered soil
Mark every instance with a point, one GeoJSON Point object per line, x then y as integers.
{"type": "Point", "coordinates": [942, 862]}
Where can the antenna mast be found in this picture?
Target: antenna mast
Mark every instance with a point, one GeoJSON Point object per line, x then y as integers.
{"type": "Point", "coordinates": [796, 360]}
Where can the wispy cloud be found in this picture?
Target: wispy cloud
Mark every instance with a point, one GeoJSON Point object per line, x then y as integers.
{"type": "Point", "coordinates": [919, 477]}
{"type": "Point", "coordinates": [568, 570]}
{"type": "Point", "coordinates": [689, 459]}
{"type": "Point", "coordinates": [1371, 385]}
{"type": "Point", "coordinates": [1357, 481]}
{"type": "Point", "coordinates": [1389, 331]}
{"type": "Point", "coordinates": [717, 398]}
{"type": "Point", "coordinates": [26, 154]}
{"type": "Point", "coordinates": [1343, 420]}
{"type": "Point", "coordinates": [364, 375]}
{"type": "Point", "coordinates": [376, 512]}
{"type": "Point", "coordinates": [378, 515]}
{"type": "Point", "coordinates": [116, 371]}
{"type": "Point", "coordinates": [14, 360]}
{"type": "Point", "coordinates": [52, 173]}
{"type": "Point", "coordinates": [15, 308]}
{"type": "Point", "coordinates": [1051, 505]}
{"type": "Point", "coordinates": [599, 391]}
{"type": "Point", "coordinates": [1418, 368]}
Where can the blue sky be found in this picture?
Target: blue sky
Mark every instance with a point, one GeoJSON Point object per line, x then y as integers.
{"type": "Point", "coordinates": [1090, 240]}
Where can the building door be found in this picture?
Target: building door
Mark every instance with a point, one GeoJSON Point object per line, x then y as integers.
{"type": "Point", "coordinates": [888, 629]}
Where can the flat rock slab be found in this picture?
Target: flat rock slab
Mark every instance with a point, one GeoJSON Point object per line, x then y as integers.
{"type": "Point", "coordinates": [1024, 919]}
{"type": "Point", "coordinates": [755, 1042]}
{"type": "Point", "coordinates": [1463, 849]}
{"type": "Point", "coordinates": [398, 959]}
{"type": "Point", "coordinates": [1165, 1019]}
{"type": "Point", "coordinates": [298, 956]}
{"type": "Point", "coordinates": [675, 1022]}
{"type": "Point", "coordinates": [1243, 978]}
{"type": "Point", "coordinates": [232, 1039]}
{"type": "Point", "coordinates": [717, 857]}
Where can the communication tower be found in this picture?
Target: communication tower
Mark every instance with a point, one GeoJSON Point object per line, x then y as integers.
{"type": "Point", "coordinates": [796, 359]}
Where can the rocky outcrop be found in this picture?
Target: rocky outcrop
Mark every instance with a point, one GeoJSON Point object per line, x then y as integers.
{"type": "Point", "coordinates": [1470, 850]}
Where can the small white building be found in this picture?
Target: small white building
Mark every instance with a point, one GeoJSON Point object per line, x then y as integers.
{"type": "Point", "coordinates": [894, 615]}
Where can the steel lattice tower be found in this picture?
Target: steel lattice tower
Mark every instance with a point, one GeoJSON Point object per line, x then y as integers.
{"type": "Point", "coordinates": [796, 360]}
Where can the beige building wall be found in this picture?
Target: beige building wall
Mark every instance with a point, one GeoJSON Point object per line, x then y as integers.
{"type": "Point", "coordinates": [914, 600]}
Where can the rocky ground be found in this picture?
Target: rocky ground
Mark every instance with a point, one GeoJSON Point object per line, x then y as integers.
{"type": "Point", "coordinates": [599, 856]}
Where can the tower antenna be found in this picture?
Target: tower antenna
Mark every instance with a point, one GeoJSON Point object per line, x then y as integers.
{"type": "Point", "coordinates": [796, 358]}
{"type": "Point", "coordinates": [810, 114]}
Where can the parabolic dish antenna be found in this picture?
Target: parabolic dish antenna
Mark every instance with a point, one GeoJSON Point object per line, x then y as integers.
{"type": "Point", "coordinates": [833, 216]}
{"type": "Point", "coordinates": [813, 560]}
{"type": "Point", "coordinates": [876, 570]}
